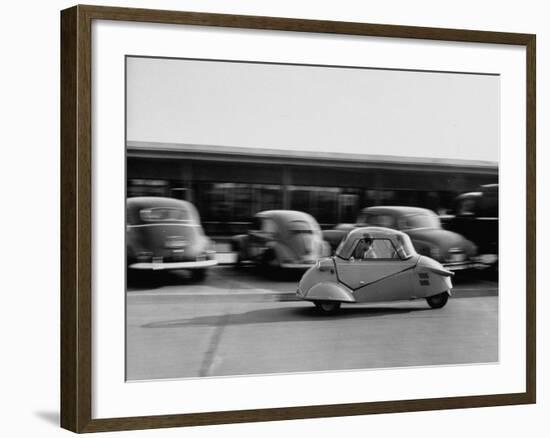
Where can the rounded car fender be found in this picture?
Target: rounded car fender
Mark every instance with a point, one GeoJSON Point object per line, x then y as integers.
{"type": "Point", "coordinates": [330, 291]}
{"type": "Point", "coordinates": [471, 248]}
{"type": "Point", "coordinates": [197, 245]}
{"type": "Point", "coordinates": [423, 247]}
{"type": "Point", "coordinates": [433, 278]}
{"type": "Point", "coordinates": [281, 251]}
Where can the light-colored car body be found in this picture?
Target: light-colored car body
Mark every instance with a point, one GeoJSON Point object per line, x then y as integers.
{"type": "Point", "coordinates": [166, 234]}
{"type": "Point", "coordinates": [390, 270]}
{"type": "Point", "coordinates": [281, 239]}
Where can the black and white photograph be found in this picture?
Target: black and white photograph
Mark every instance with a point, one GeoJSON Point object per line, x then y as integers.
{"type": "Point", "coordinates": [275, 219]}
{"type": "Point", "coordinates": [297, 218]}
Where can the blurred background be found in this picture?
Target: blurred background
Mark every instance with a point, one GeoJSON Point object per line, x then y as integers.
{"type": "Point", "coordinates": [228, 185]}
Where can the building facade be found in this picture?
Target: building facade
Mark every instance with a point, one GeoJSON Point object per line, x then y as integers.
{"type": "Point", "coordinates": [229, 185]}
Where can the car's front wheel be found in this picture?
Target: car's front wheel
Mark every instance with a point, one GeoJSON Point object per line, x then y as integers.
{"type": "Point", "coordinates": [327, 307]}
{"type": "Point", "coordinates": [438, 301]}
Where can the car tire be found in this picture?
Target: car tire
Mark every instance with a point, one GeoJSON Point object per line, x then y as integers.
{"type": "Point", "coordinates": [269, 264]}
{"type": "Point", "coordinates": [238, 261]}
{"type": "Point", "coordinates": [236, 248]}
{"type": "Point", "coordinates": [328, 307]}
{"type": "Point", "coordinates": [438, 301]}
{"type": "Point", "coordinates": [198, 274]}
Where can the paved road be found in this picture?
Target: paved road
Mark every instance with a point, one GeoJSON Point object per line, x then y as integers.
{"type": "Point", "coordinates": [242, 323]}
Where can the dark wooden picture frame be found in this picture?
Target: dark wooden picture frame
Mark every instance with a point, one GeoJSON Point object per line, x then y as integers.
{"type": "Point", "coordinates": [76, 218]}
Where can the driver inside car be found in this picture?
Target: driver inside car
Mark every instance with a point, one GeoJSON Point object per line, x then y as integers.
{"type": "Point", "coordinates": [365, 250]}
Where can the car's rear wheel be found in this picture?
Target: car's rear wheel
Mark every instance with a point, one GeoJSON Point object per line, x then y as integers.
{"type": "Point", "coordinates": [269, 264]}
{"type": "Point", "coordinates": [198, 274]}
{"type": "Point", "coordinates": [328, 307]}
{"type": "Point", "coordinates": [238, 261]}
{"type": "Point", "coordinates": [438, 301]}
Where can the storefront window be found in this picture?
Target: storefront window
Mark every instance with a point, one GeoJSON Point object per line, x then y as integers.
{"type": "Point", "coordinates": [320, 202]}
{"type": "Point", "coordinates": [226, 208]}
{"type": "Point", "coordinates": [147, 187]}
{"type": "Point", "coordinates": [267, 197]}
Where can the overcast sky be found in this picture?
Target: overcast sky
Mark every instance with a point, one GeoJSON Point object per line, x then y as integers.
{"type": "Point", "coordinates": [386, 112]}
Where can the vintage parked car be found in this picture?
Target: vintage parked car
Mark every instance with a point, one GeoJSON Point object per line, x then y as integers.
{"type": "Point", "coordinates": [281, 239]}
{"type": "Point", "coordinates": [475, 216]}
{"type": "Point", "coordinates": [165, 233]}
{"type": "Point", "coordinates": [375, 264]}
{"type": "Point", "coordinates": [423, 226]}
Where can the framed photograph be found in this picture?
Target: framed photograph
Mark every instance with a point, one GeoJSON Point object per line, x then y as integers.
{"type": "Point", "coordinates": [271, 218]}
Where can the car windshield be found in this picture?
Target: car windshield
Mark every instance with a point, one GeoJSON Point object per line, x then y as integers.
{"type": "Point", "coordinates": [399, 248]}
{"type": "Point", "coordinates": [164, 214]}
{"type": "Point", "coordinates": [340, 249]}
{"type": "Point", "coordinates": [370, 249]}
{"type": "Point", "coordinates": [404, 246]}
{"type": "Point", "coordinates": [422, 220]}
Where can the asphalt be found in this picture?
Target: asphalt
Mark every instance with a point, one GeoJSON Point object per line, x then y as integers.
{"type": "Point", "coordinates": [238, 321]}
{"type": "Point", "coordinates": [248, 283]}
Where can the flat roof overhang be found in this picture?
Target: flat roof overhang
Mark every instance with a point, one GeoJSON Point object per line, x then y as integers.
{"type": "Point", "coordinates": [179, 151]}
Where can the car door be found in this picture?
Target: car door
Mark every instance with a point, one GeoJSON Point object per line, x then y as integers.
{"type": "Point", "coordinates": [372, 262]}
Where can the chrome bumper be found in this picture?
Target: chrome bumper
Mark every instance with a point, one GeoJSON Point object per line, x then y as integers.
{"type": "Point", "coordinates": [459, 266]}
{"type": "Point", "coordinates": [486, 261]}
{"type": "Point", "coordinates": [297, 265]}
{"type": "Point", "coordinates": [173, 265]}
{"type": "Point", "coordinates": [483, 261]}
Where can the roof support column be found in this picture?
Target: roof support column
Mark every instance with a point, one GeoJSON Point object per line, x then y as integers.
{"type": "Point", "coordinates": [286, 182]}
{"type": "Point", "coordinates": [186, 172]}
